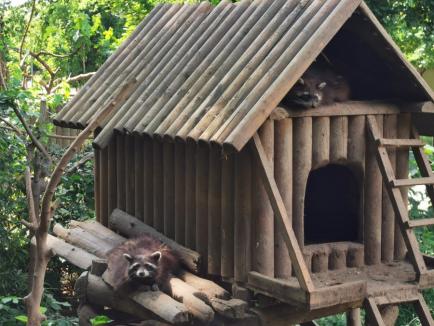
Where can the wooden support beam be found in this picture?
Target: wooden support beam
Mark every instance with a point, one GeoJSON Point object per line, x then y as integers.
{"type": "Point", "coordinates": [423, 311]}
{"type": "Point", "coordinates": [279, 209]}
{"type": "Point", "coordinates": [420, 223]}
{"type": "Point", "coordinates": [373, 315]}
{"type": "Point", "coordinates": [353, 317]}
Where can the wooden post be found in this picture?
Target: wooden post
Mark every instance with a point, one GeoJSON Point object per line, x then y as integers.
{"type": "Point", "coordinates": [320, 260]}
{"type": "Point", "coordinates": [190, 195]}
{"type": "Point", "coordinates": [283, 174]}
{"type": "Point", "coordinates": [338, 256]}
{"type": "Point", "coordinates": [373, 207]}
{"type": "Point", "coordinates": [180, 192]}
{"type": "Point", "coordinates": [227, 211]}
{"type": "Point", "coordinates": [356, 153]}
{"type": "Point", "coordinates": [302, 165]}
{"type": "Point", "coordinates": [97, 182]}
{"type": "Point", "coordinates": [214, 210]}
{"type": "Point", "coordinates": [388, 221]}
{"type": "Point", "coordinates": [402, 167]}
{"type": "Point", "coordinates": [169, 189]}
{"type": "Point", "coordinates": [353, 317]}
{"type": "Point", "coordinates": [158, 203]}
{"type": "Point", "coordinates": [103, 189]}
{"type": "Point", "coordinates": [112, 195]}
{"type": "Point", "coordinates": [130, 173]}
{"type": "Point", "coordinates": [139, 176]}
{"type": "Point", "coordinates": [202, 167]}
{"type": "Point", "coordinates": [320, 141]}
{"type": "Point", "coordinates": [120, 171]}
{"type": "Point", "coordinates": [263, 217]}
{"type": "Point", "coordinates": [148, 184]}
{"type": "Point", "coordinates": [338, 138]}
{"type": "Point", "coordinates": [243, 214]}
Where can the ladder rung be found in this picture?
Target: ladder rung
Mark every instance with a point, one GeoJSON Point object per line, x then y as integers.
{"type": "Point", "coordinates": [401, 142]}
{"type": "Point", "coordinates": [412, 182]}
{"type": "Point", "coordinates": [419, 223]}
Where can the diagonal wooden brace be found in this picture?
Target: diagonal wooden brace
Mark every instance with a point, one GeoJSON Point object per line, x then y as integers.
{"type": "Point", "coordinates": [279, 209]}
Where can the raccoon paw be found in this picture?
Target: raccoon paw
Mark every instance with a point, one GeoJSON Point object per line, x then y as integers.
{"type": "Point", "coordinates": [155, 287]}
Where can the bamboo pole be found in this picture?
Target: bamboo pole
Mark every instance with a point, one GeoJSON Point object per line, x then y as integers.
{"type": "Point", "coordinates": [180, 192]}
{"type": "Point", "coordinates": [402, 170]}
{"type": "Point", "coordinates": [320, 141]}
{"type": "Point", "coordinates": [202, 167]}
{"type": "Point", "coordinates": [356, 154]}
{"type": "Point", "coordinates": [388, 221]}
{"type": "Point", "coordinates": [148, 183]}
{"type": "Point", "coordinates": [373, 206]}
{"type": "Point", "coordinates": [112, 195]}
{"type": "Point", "coordinates": [190, 195]}
{"type": "Point", "coordinates": [97, 185]}
{"type": "Point", "coordinates": [169, 189]}
{"type": "Point", "coordinates": [283, 174]}
{"type": "Point", "coordinates": [302, 157]}
{"type": "Point", "coordinates": [138, 178]}
{"type": "Point", "coordinates": [129, 173]}
{"type": "Point", "coordinates": [243, 214]}
{"type": "Point", "coordinates": [103, 190]}
{"type": "Point", "coordinates": [214, 210]}
{"type": "Point", "coordinates": [227, 210]}
{"type": "Point", "coordinates": [120, 172]}
{"type": "Point", "coordinates": [158, 203]}
{"type": "Point", "coordinates": [338, 138]}
{"type": "Point", "coordinates": [263, 217]}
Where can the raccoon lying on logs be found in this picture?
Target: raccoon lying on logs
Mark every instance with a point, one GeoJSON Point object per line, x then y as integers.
{"type": "Point", "coordinates": [142, 263]}
{"type": "Point", "coordinates": [320, 85]}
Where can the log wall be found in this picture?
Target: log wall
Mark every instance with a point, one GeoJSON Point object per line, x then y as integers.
{"type": "Point", "coordinates": [215, 203]}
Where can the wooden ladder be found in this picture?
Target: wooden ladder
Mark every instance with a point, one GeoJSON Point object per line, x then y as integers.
{"type": "Point", "coordinates": [374, 318]}
{"type": "Point", "coordinates": [393, 186]}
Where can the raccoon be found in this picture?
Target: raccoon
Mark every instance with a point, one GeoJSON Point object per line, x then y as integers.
{"type": "Point", "coordinates": [320, 85]}
{"type": "Point", "coordinates": [141, 263]}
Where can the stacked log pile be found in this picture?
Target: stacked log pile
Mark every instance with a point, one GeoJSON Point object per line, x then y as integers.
{"type": "Point", "coordinates": [85, 244]}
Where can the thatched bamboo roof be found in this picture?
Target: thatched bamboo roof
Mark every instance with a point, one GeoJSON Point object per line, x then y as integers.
{"type": "Point", "coordinates": [215, 74]}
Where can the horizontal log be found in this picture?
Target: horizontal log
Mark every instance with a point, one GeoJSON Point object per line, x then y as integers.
{"type": "Point", "coordinates": [130, 226]}
{"type": "Point", "coordinates": [74, 255]}
{"type": "Point", "coordinates": [99, 231]}
{"type": "Point", "coordinates": [232, 309]}
{"type": "Point", "coordinates": [211, 289]}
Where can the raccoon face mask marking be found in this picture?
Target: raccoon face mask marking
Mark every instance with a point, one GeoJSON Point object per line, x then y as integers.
{"type": "Point", "coordinates": [143, 267]}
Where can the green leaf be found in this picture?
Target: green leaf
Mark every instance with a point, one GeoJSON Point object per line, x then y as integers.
{"type": "Point", "coordinates": [22, 319]}
{"type": "Point", "coordinates": [100, 320]}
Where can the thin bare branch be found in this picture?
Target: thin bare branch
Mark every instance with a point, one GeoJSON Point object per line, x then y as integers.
{"type": "Point", "coordinates": [83, 160]}
{"type": "Point", "coordinates": [12, 127]}
{"type": "Point", "coordinates": [60, 56]}
{"type": "Point", "coordinates": [32, 227]}
{"type": "Point", "coordinates": [29, 194]}
{"type": "Point", "coordinates": [23, 40]}
{"type": "Point", "coordinates": [73, 79]}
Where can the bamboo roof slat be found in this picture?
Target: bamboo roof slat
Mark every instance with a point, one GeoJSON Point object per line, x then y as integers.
{"type": "Point", "coordinates": [215, 74]}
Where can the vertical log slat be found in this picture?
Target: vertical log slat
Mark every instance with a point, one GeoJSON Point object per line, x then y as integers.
{"type": "Point", "coordinates": [263, 216]}
{"type": "Point", "coordinates": [97, 185]}
{"type": "Point", "coordinates": [103, 189]}
{"type": "Point", "coordinates": [202, 167]}
{"type": "Point", "coordinates": [388, 221]}
{"type": "Point", "coordinates": [180, 192]}
{"type": "Point", "coordinates": [338, 138]}
{"type": "Point", "coordinates": [138, 179]}
{"type": "Point", "coordinates": [214, 210]}
{"type": "Point", "coordinates": [243, 213]}
{"type": "Point", "coordinates": [373, 207]}
{"type": "Point", "coordinates": [283, 175]}
{"type": "Point", "coordinates": [129, 170]}
{"type": "Point", "coordinates": [169, 189]}
{"type": "Point", "coordinates": [302, 160]}
{"type": "Point", "coordinates": [320, 141]}
{"type": "Point", "coordinates": [112, 195]}
{"type": "Point", "coordinates": [158, 202]}
{"type": "Point", "coordinates": [190, 195]}
{"type": "Point", "coordinates": [148, 184]}
{"type": "Point", "coordinates": [227, 211]}
{"type": "Point", "coordinates": [120, 171]}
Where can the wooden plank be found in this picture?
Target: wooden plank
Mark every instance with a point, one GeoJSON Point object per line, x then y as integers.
{"type": "Point", "coordinates": [214, 210]}
{"type": "Point", "coordinates": [320, 141]}
{"type": "Point", "coordinates": [354, 318]}
{"type": "Point", "coordinates": [373, 199]}
{"type": "Point", "coordinates": [423, 311]}
{"type": "Point", "coordinates": [202, 173]}
{"type": "Point", "coordinates": [97, 184]}
{"type": "Point", "coordinates": [338, 138]}
{"type": "Point", "coordinates": [420, 223]}
{"type": "Point", "coordinates": [243, 215]}
{"type": "Point", "coordinates": [138, 178]}
{"type": "Point", "coordinates": [283, 148]}
{"type": "Point", "coordinates": [148, 184]}
{"type": "Point", "coordinates": [373, 314]}
{"type": "Point", "coordinates": [388, 216]}
{"type": "Point", "coordinates": [180, 192]}
{"type": "Point", "coordinates": [103, 190]}
{"type": "Point", "coordinates": [130, 174]}
{"type": "Point", "coordinates": [400, 143]}
{"type": "Point", "coordinates": [190, 195]}
{"type": "Point", "coordinates": [297, 259]}
{"type": "Point", "coordinates": [112, 194]}
{"type": "Point", "coordinates": [413, 182]}
{"type": "Point", "coordinates": [169, 189]}
{"type": "Point", "coordinates": [227, 211]}
{"type": "Point", "coordinates": [354, 292]}
{"type": "Point", "coordinates": [263, 219]}
{"type": "Point", "coordinates": [158, 184]}
{"type": "Point", "coordinates": [302, 163]}
{"type": "Point", "coordinates": [120, 171]}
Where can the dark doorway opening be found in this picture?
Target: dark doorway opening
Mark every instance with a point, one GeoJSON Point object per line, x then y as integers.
{"type": "Point", "coordinates": [332, 205]}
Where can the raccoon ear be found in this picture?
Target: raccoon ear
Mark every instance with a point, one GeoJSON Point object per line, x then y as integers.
{"type": "Point", "coordinates": [156, 256]}
{"type": "Point", "coordinates": [322, 85]}
{"type": "Point", "coordinates": [128, 258]}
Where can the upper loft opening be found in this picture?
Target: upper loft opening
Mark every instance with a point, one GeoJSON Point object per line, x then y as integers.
{"type": "Point", "coordinates": [332, 205]}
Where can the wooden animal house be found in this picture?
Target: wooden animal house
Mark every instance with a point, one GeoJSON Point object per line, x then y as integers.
{"type": "Point", "coordinates": [304, 206]}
